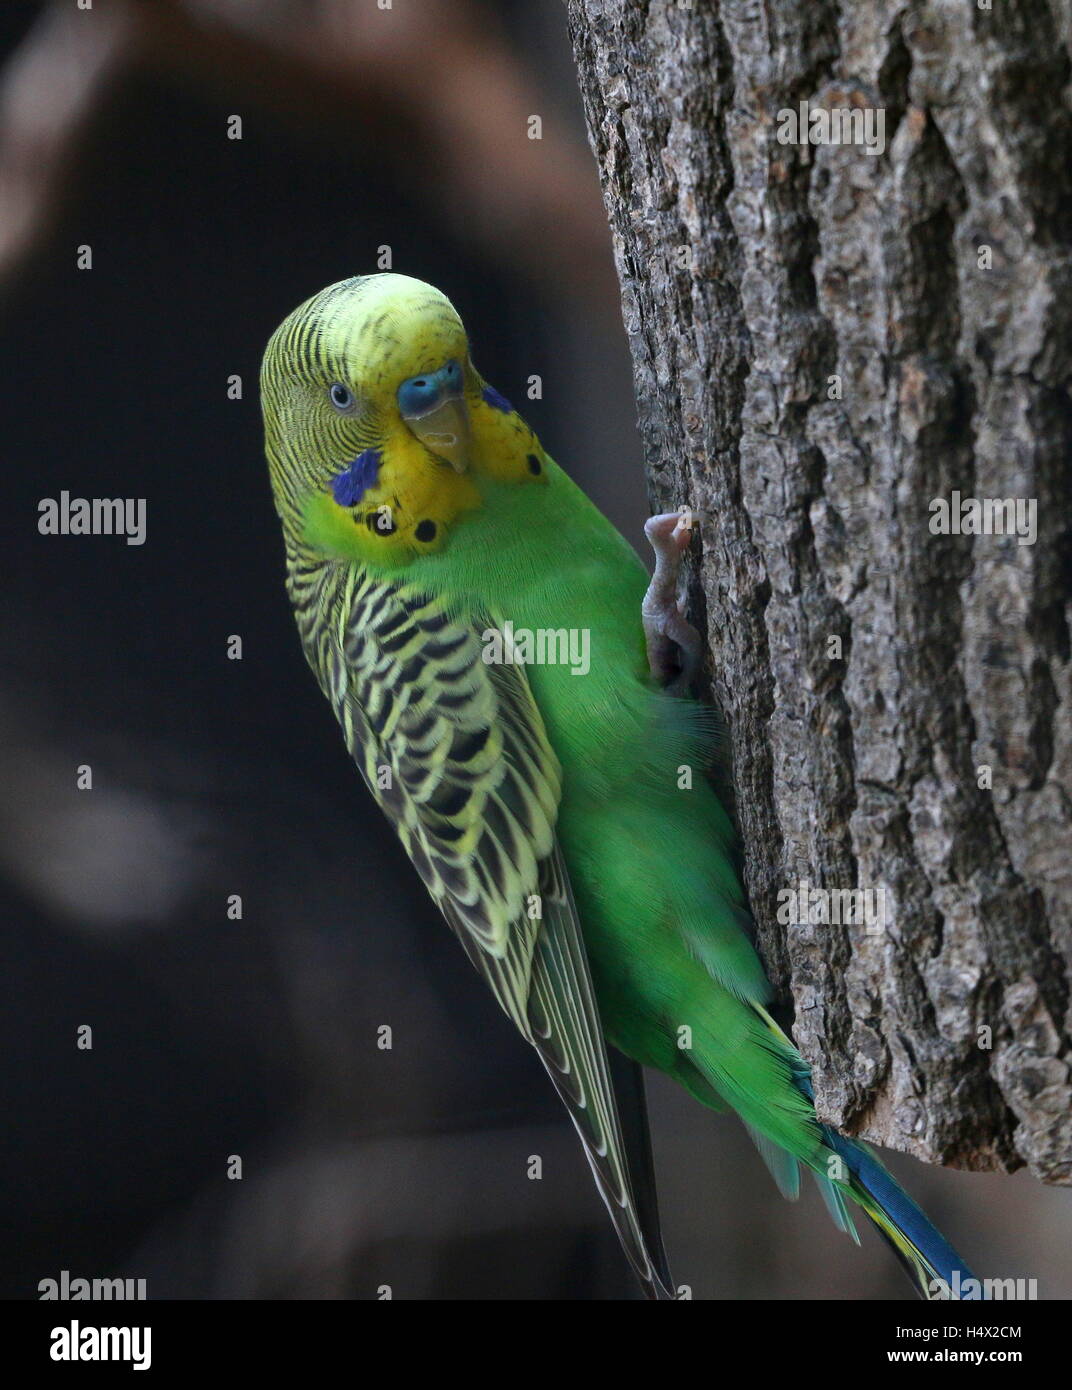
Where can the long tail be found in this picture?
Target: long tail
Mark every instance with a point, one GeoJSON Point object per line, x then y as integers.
{"type": "Point", "coordinates": [932, 1264]}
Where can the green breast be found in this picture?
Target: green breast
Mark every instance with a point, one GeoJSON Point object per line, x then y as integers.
{"type": "Point", "coordinates": [548, 563]}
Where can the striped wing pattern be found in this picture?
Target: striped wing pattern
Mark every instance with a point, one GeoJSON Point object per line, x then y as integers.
{"type": "Point", "coordinates": [455, 752]}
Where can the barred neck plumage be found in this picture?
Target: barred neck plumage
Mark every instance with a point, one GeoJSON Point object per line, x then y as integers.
{"type": "Point", "coordinates": [315, 585]}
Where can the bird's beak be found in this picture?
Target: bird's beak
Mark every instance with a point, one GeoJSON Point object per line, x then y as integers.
{"type": "Point", "coordinates": [445, 431]}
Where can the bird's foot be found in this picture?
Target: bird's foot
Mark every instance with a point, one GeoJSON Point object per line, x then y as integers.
{"type": "Point", "coordinates": [673, 643]}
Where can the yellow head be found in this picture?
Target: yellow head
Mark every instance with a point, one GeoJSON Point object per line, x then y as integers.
{"type": "Point", "coordinates": [378, 429]}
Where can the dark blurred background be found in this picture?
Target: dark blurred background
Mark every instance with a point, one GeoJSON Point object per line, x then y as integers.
{"type": "Point", "coordinates": [361, 128]}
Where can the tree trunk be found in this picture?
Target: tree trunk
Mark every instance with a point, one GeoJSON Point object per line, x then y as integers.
{"type": "Point", "coordinates": [826, 341]}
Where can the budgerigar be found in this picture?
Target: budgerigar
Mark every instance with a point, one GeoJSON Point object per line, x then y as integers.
{"type": "Point", "coordinates": [487, 641]}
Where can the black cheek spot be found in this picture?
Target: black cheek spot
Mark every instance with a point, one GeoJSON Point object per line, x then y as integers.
{"type": "Point", "coordinates": [533, 463]}
{"type": "Point", "coordinates": [425, 530]}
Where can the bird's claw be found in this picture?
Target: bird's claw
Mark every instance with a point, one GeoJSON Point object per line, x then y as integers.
{"type": "Point", "coordinates": [673, 643]}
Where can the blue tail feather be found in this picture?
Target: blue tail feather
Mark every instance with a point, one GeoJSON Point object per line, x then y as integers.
{"type": "Point", "coordinates": [930, 1257]}
{"type": "Point", "coordinates": [903, 1212]}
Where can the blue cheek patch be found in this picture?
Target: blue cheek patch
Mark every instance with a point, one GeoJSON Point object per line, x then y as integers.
{"type": "Point", "coordinates": [349, 486]}
{"type": "Point", "coordinates": [497, 402]}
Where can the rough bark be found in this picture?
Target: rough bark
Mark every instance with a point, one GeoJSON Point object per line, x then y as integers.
{"type": "Point", "coordinates": [752, 273]}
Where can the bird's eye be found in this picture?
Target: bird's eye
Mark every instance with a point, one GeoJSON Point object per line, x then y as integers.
{"type": "Point", "coordinates": [342, 398]}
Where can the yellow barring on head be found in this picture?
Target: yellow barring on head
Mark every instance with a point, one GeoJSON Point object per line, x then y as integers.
{"type": "Point", "coordinates": [372, 333]}
{"type": "Point", "coordinates": [386, 328]}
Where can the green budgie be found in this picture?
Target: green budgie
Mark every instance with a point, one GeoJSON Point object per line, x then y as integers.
{"type": "Point", "coordinates": [497, 661]}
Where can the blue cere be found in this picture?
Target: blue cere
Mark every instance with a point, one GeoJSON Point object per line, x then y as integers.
{"type": "Point", "coordinates": [420, 394]}
{"type": "Point", "coordinates": [349, 486]}
{"type": "Point", "coordinates": [498, 402]}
